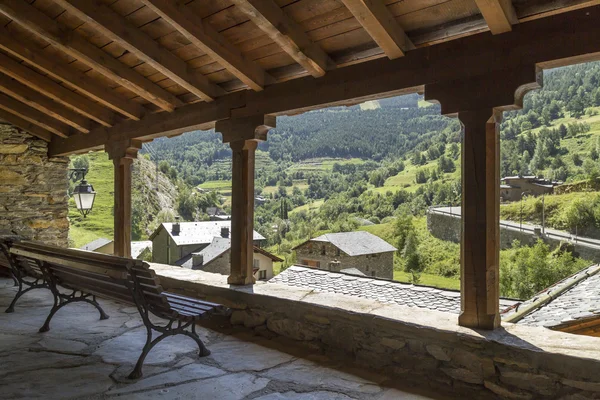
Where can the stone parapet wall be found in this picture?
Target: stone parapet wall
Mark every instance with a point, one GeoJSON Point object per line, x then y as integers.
{"type": "Point", "coordinates": [33, 188]}
{"type": "Point", "coordinates": [418, 346]}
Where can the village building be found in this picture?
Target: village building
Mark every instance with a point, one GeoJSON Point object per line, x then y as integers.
{"type": "Point", "coordinates": [513, 188]}
{"type": "Point", "coordinates": [216, 258]}
{"type": "Point", "coordinates": [172, 241]}
{"type": "Point", "coordinates": [361, 251]}
{"type": "Point", "coordinates": [141, 250]}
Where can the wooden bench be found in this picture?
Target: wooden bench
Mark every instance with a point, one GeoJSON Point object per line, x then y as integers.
{"type": "Point", "coordinates": [25, 273]}
{"type": "Point", "coordinates": [80, 276]}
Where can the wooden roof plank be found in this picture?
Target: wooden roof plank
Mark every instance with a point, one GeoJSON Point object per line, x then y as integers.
{"type": "Point", "coordinates": [284, 31]}
{"type": "Point", "coordinates": [42, 103]}
{"type": "Point", "coordinates": [48, 87]}
{"type": "Point", "coordinates": [75, 79]}
{"type": "Point", "coordinates": [26, 125]}
{"type": "Point", "coordinates": [211, 42]}
{"type": "Point", "coordinates": [76, 46]}
{"type": "Point", "coordinates": [33, 116]}
{"type": "Point", "coordinates": [500, 15]}
{"type": "Point", "coordinates": [119, 29]}
{"type": "Point", "coordinates": [381, 26]}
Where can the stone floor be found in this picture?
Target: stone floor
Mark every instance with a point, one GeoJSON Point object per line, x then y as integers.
{"type": "Point", "coordinates": [82, 357]}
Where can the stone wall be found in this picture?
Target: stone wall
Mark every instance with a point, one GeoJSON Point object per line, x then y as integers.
{"type": "Point", "coordinates": [415, 345]}
{"type": "Point", "coordinates": [448, 227]}
{"type": "Point", "coordinates": [379, 265]}
{"type": "Point", "coordinates": [33, 188]}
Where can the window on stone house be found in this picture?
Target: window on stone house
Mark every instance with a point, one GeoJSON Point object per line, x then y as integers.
{"type": "Point", "coordinates": [262, 275]}
{"type": "Point", "coordinates": [256, 264]}
{"type": "Point", "coordinates": [319, 264]}
{"type": "Point", "coordinates": [367, 269]}
{"type": "Point", "coordinates": [374, 273]}
{"type": "Point", "coordinates": [323, 250]}
{"type": "Point", "coordinates": [338, 252]}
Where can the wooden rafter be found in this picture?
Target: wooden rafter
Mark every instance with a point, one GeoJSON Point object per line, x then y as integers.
{"type": "Point", "coordinates": [34, 116]}
{"type": "Point", "coordinates": [500, 15]}
{"type": "Point", "coordinates": [48, 87]}
{"type": "Point", "coordinates": [25, 125]}
{"type": "Point", "coordinates": [211, 42]}
{"type": "Point", "coordinates": [42, 103]}
{"type": "Point", "coordinates": [284, 31]}
{"type": "Point", "coordinates": [75, 79]}
{"type": "Point", "coordinates": [375, 18]}
{"type": "Point", "coordinates": [120, 30]}
{"type": "Point", "coordinates": [76, 46]}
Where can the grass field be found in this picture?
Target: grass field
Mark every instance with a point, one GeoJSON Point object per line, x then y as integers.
{"type": "Point", "coordinates": [312, 206]}
{"type": "Point", "coordinates": [300, 184]}
{"type": "Point", "coordinates": [99, 223]}
{"type": "Point", "coordinates": [429, 280]}
{"type": "Point", "coordinates": [323, 164]}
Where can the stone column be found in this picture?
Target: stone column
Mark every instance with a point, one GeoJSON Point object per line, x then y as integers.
{"type": "Point", "coordinates": [243, 136]}
{"type": "Point", "coordinates": [122, 153]}
{"type": "Point", "coordinates": [478, 103]}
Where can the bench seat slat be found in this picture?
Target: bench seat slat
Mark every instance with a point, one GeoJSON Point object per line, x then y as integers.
{"type": "Point", "coordinates": [185, 298]}
{"type": "Point", "coordinates": [200, 308]}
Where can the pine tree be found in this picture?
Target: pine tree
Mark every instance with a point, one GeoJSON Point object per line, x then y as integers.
{"type": "Point", "coordinates": [412, 258]}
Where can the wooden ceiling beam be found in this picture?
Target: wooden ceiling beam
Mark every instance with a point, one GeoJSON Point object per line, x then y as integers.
{"type": "Point", "coordinates": [120, 30]}
{"type": "Point", "coordinates": [450, 61]}
{"type": "Point", "coordinates": [58, 93]}
{"type": "Point", "coordinates": [375, 18]}
{"type": "Point", "coordinates": [203, 36]}
{"type": "Point", "coordinates": [499, 15]}
{"type": "Point", "coordinates": [76, 46]}
{"type": "Point", "coordinates": [34, 116]}
{"type": "Point", "coordinates": [42, 103]}
{"type": "Point", "coordinates": [26, 125]}
{"type": "Point", "coordinates": [290, 36]}
{"type": "Point", "coordinates": [72, 78]}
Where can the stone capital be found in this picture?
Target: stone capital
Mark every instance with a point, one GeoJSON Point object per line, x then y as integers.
{"type": "Point", "coordinates": [254, 127]}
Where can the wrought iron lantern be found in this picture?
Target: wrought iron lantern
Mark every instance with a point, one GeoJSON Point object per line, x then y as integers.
{"type": "Point", "coordinates": [83, 193]}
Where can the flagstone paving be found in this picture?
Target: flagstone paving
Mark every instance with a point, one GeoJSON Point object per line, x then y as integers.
{"type": "Point", "coordinates": [82, 357]}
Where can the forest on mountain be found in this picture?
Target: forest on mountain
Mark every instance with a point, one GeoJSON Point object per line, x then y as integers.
{"type": "Point", "coordinates": [380, 165]}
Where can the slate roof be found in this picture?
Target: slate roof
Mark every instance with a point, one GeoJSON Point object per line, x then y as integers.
{"type": "Point", "coordinates": [198, 232]}
{"type": "Point", "coordinates": [372, 288]}
{"type": "Point", "coordinates": [217, 247]}
{"type": "Point", "coordinates": [139, 246]}
{"type": "Point", "coordinates": [569, 302]}
{"type": "Point", "coordinates": [355, 243]}
{"type": "Point", "coordinates": [96, 244]}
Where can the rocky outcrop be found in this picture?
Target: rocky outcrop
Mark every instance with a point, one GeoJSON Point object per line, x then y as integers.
{"type": "Point", "coordinates": [33, 188]}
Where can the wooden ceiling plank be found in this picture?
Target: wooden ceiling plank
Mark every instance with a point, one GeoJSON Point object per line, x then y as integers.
{"type": "Point", "coordinates": [375, 18]}
{"type": "Point", "coordinates": [34, 116]}
{"type": "Point", "coordinates": [26, 125]}
{"type": "Point", "coordinates": [42, 103]}
{"type": "Point", "coordinates": [119, 29]}
{"type": "Point", "coordinates": [48, 87]}
{"type": "Point", "coordinates": [76, 46]}
{"type": "Point", "coordinates": [284, 31]}
{"type": "Point", "coordinates": [75, 79]}
{"type": "Point", "coordinates": [500, 15]}
{"type": "Point", "coordinates": [211, 42]}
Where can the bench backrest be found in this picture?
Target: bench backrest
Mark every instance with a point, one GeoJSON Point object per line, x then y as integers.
{"type": "Point", "coordinates": [99, 274]}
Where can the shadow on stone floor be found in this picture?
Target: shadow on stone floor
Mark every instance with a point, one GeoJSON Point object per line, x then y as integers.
{"type": "Point", "coordinates": [83, 357]}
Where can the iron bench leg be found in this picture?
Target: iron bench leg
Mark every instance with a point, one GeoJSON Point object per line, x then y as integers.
{"type": "Point", "coordinates": [61, 300]}
{"type": "Point", "coordinates": [165, 332]}
{"type": "Point", "coordinates": [38, 283]}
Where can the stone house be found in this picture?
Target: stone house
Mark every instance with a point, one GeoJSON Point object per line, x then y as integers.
{"type": "Point", "coordinates": [141, 250]}
{"type": "Point", "coordinates": [216, 258]}
{"type": "Point", "coordinates": [513, 187]}
{"type": "Point", "coordinates": [101, 245]}
{"type": "Point", "coordinates": [172, 242]}
{"type": "Point", "coordinates": [360, 250]}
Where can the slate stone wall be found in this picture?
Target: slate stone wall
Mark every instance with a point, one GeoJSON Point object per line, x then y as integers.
{"type": "Point", "coordinates": [379, 265]}
{"type": "Point", "coordinates": [420, 347]}
{"type": "Point", "coordinates": [33, 189]}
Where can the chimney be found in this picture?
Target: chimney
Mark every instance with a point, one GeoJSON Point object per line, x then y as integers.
{"type": "Point", "coordinates": [197, 260]}
{"type": "Point", "coordinates": [334, 266]}
{"type": "Point", "coordinates": [176, 227]}
{"type": "Point", "coordinates": [225, 232]}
